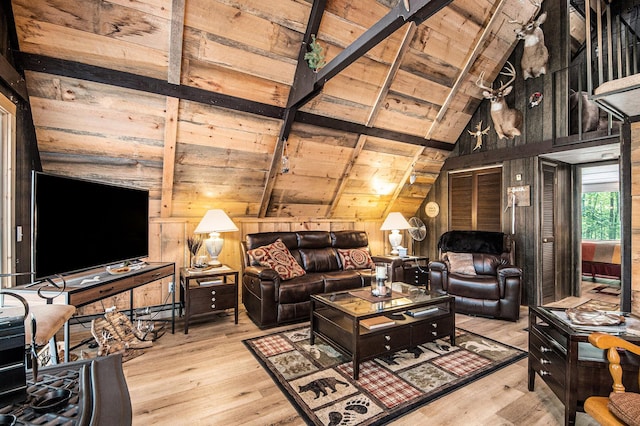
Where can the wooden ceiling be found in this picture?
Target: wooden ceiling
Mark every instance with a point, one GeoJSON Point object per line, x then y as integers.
{"type": "Point", "coordinates": [191, 98]}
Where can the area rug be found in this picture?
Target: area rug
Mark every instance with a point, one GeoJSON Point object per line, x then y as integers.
{"type": "Point", "coordinates": [318, 379]}
{"type": "Point", "coordinates": [605, 289]}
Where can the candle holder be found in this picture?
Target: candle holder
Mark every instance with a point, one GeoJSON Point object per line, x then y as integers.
{"type": "Point", "coordinates": [381, 279]}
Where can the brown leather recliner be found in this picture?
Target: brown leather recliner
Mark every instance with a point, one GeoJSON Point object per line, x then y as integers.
{"type": "Point", "coordinates": [484, 281]}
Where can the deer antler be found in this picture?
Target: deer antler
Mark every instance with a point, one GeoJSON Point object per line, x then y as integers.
{"type": "Point", "coordinates": [480, 83]}
{"type": "Point", "coordinates": [510, 72]}
{"type": "Point", "coordinates": [538, 5]}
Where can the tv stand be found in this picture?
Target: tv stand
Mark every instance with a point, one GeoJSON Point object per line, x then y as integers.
{"type": "Point", "coordinates": [79, 292]}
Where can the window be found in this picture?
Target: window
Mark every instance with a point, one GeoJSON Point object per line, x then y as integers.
{"type": "Point", "coordinates": [601, 203]}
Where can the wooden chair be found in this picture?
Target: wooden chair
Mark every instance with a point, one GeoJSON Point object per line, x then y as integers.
{"type": "Point", "coordinates": [620, 407]}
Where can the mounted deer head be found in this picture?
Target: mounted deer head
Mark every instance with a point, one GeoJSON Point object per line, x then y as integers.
{"type": "Point", "coordinates": [535, 55]}
{"type": "Point", "coordinates": [506, 121]}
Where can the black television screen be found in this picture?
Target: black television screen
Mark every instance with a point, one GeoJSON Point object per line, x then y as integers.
{"type": "Point", "coordinates": [80, 224]}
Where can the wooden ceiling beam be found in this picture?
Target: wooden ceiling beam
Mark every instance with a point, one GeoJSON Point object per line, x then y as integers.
{"type": "Point", "coordinates": [345, 175]}
{"type": "Point", "coordinates": [169, 156]}
{"type": "Point", "coordinates": [463, 74]}
{"type": "Point", "coordinates": [403, 181]}
{"type": "Point", "coordinates": [393, 70]}
{"type": "Point", "coordinates": [301, 78]}
{"type": "Point", "coordinates": [175, 41]}
{"type": "Point", "coordinates": [173, 104]}
{"type": "Point", "coordinates": [419, 11]}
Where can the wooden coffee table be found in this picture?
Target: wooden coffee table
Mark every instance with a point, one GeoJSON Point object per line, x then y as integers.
{"type": "Point", "coordinates": [336, 318]}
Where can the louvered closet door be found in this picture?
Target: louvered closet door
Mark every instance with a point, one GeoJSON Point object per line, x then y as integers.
{"type": "Point", "coordinates": [547, 214]}
{"type": "Point", "coordinates": [474, 200]}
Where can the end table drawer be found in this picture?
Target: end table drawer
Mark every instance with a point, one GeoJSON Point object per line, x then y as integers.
{"type": "Point", "coordinates": [212, 298]}
{"type": "Point", "coordinates": [384, 341]}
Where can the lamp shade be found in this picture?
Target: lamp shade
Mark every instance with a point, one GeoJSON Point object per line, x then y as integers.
{"type": "Point", "coordinates": [395, 220]}
{"type": "Point", "coordinates": [215, 221]}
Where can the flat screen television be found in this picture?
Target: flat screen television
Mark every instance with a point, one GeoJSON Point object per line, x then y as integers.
{"type": "Point", "coordinates": [81, 224]}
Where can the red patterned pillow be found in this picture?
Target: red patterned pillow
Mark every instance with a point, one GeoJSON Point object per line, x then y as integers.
{"type": "Point", "coordinates": [278, 257]}
{"type": "Point", "coordinates": [355, 258]}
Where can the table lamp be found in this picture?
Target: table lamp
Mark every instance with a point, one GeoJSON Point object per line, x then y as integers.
{"type": "Point", "coordinates": [394, 223]}
{"type": "Point", "coordinates": [213, 223]}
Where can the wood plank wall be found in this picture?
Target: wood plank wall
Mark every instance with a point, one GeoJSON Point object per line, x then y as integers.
{"type": "Point", "coordinates": [168, 244]}
{"type": "Point", "coordinates": [635, 217]}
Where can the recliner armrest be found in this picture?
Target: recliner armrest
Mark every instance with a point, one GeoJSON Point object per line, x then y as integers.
{"type": "Point", "coordinates": [509, 271]}
{"type": "Point", "coordinates": [436, 265]}
{"type": "Point", "coordinates": [262, 272]}
{"type": "Point", "coordinates": [438, 280]}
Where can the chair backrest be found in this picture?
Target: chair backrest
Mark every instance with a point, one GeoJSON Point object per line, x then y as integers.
{"type": "Point", "coordinates": [487, 242]}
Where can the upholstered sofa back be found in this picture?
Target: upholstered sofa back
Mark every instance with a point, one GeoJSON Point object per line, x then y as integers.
{"type": "Point", "coordinates": [315, 251]}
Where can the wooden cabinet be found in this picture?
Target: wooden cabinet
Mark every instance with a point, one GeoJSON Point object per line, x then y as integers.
{"type": "Point", "coordinates": [208, 291]}
{"type": "Point", "coordinates": [566, 361]}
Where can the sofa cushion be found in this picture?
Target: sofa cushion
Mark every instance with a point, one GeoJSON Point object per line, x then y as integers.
{"type": "Point", "coordinates": [278, 257]}
{"type": "Point", "coordinates": [461, 263]}
{"type": "Point", "coordinates": [479, 287]}
{"type": "Point", "coordinates": [341, 280]}
{"type": "Point", "coordinates": [349, 239]}
{"type": "Point", "coordinates": [355, 258]}
{"type": "Point", "coordinates": [626, 406]}
{"type": "Point", "coordinates": [319, 260]}
{"type": "Point", "coordinates": [300, 289]}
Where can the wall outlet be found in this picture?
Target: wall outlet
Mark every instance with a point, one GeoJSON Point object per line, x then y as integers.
{"type": "Point", "coordinates": [171, 288]}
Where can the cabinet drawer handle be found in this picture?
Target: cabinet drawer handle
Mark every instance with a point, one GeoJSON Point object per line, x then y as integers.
{"type": "Point", "coordinates": [544, 349]}
{"type": "Point", "coordinates": [387, 347]}
{"type": "Point", "coordinates": [387, 338]}
{"type": "Point", "coordinates": [213, 299]}
{"type": "Point", "coordinates": [545, 361]}
{"type": "Point", "coordinates": [434, 334]}
{"type": "Point", "coordinates": [434, 325]}
{"type": "Point", "coordinates": [213, 292]}
{"type": "Point", "coordinates": [213, 306]}
{"type": "Point", "coordinates": [106, 290]}
{"type": "Point", "coordinates": [544, 373]}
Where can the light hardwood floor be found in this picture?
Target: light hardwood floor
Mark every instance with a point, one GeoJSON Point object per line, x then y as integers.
{"type": "Point", "coordinates": [208, 377]}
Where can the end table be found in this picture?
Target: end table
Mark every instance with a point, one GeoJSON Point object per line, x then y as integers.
{"type": "Point", "coordinates": [208, 290]}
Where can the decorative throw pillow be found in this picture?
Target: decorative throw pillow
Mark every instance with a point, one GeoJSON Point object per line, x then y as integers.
{"type": "Point", "coordinates": [461, 263]}
{"type": "Point", "coordinates": [626, 406]}
{"type": "Point", "coordinates": [355, 258]}
{"type": "Point", "coordinates": [278, 257]}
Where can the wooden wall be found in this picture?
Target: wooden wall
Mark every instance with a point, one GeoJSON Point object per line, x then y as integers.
{"type": "Point", "coordinates": [635, 216]}
{"type": "Point", "coordinates": [519, 156]}
{"type": "Point", "coordinates": [167, 244]}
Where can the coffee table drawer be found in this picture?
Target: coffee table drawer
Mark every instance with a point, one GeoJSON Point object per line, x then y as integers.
{"type": "Point", "coordinates": [384, 341]}
{"type": "Point", "coordinates": [426, 331]}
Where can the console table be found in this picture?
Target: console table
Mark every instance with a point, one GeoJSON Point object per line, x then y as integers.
{"type": "Point", "coordinates": [573, 368]}
{"type": "Point", "coordinates": [96, 284]}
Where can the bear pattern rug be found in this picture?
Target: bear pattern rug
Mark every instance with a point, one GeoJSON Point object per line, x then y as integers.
{"type": "Point", "coordinates": [318, 379]}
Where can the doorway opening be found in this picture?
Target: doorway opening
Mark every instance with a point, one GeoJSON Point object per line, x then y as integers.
{"type": "Point", "coordinates": [600, 236]}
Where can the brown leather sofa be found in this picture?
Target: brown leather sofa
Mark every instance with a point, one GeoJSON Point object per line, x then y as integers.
{"type": "Point", "coordinates": [491, 287]}
{"type": "Point", "coordinates": [271, 301]}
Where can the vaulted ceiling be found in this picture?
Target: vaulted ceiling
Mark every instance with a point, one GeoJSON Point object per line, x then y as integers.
{"type": "Point", "coordinates": [192, 99]}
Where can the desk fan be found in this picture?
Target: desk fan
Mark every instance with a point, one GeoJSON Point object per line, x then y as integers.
{"type": "Point", "coordinates": [418, 230]}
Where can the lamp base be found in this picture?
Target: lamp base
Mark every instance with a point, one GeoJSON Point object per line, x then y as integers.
{"type": "Point", "coordinates": [215, 263]}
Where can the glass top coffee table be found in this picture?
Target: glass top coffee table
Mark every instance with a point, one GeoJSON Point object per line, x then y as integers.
{"type": "Point", "coordinates": [365, 326]}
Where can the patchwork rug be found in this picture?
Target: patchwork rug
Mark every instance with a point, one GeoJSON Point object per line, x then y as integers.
{"type": "Point", "coordinates": [318, 379]}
